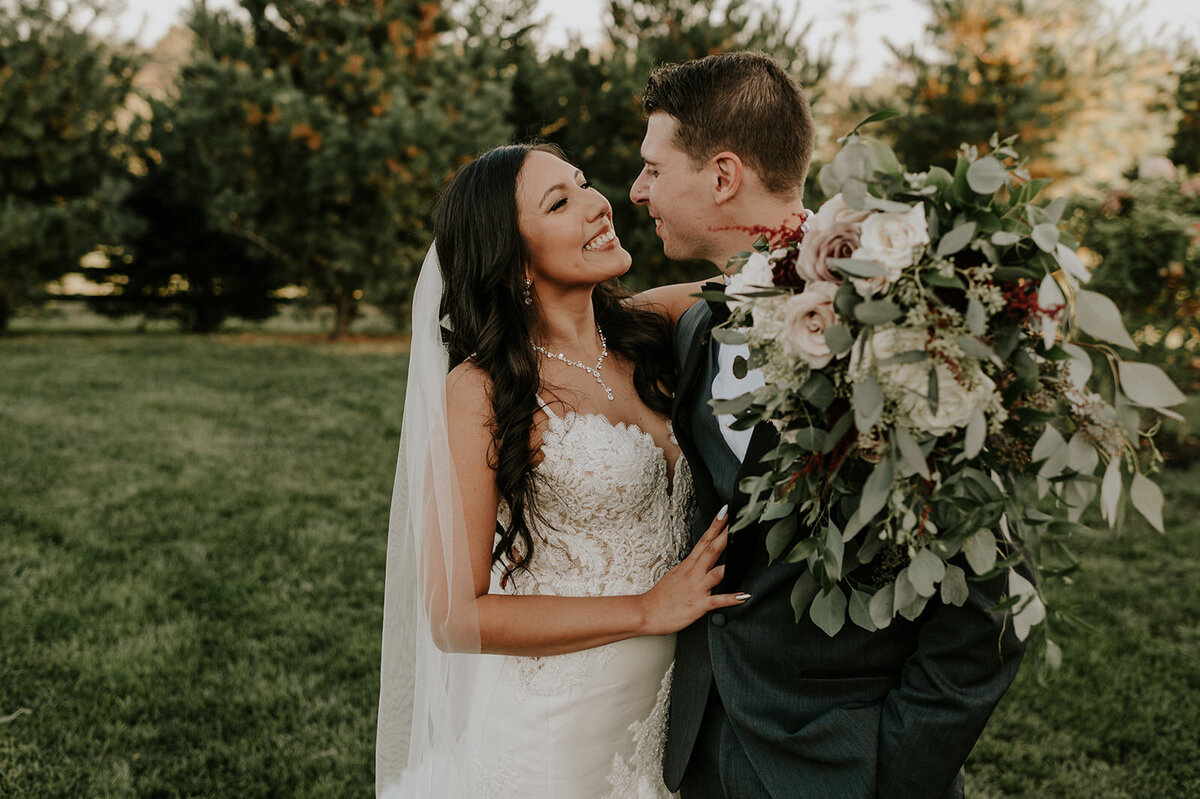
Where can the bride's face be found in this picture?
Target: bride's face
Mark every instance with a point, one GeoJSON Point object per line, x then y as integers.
{"type": "Point", "coordinates": [567, 226]}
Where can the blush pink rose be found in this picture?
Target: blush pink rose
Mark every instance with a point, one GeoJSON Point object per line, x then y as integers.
{"type": "Point", "coordinates": [805, 317]}
{"type": "Point", "coordinates": [819, 245]}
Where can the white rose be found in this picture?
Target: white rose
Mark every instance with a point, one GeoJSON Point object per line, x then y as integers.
{"type": "Point", "coordinates": [834, 212]}
{"type": "Point", "coordinates": [805, 317]}
{"type": "Point", "coordinates": [889, 240]}
{"type": "Point", "coordinates": [908, 383]}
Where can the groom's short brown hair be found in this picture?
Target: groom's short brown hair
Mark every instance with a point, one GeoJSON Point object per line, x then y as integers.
{"type": "Point", "coordinates": [743, 102]}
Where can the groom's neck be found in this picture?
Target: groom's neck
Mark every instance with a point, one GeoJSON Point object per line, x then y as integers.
{"type": "Point", "coordinates": [755, 213]}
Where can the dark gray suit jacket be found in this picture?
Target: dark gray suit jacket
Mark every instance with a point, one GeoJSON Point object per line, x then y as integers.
{"type": "Point", "coordinates": [890, 714]}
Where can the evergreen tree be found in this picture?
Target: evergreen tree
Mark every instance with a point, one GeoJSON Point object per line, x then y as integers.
{"type": "Point", "coordinates": [323, 131]}
{"type": "Point", "coordinates": [62, 161]}
{"type": "Point", "coordinates": [1185, 151]}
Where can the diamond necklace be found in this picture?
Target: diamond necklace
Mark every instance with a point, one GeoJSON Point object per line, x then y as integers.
{"type": "Point", "coordinates": [593, 372]}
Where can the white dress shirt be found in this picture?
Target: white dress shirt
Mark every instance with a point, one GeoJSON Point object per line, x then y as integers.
{"type": "Point", "coordinates": [727, 386]}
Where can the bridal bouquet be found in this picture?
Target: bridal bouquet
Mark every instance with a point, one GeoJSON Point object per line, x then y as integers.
{"type": "Point", "coordinates": [942, 383]}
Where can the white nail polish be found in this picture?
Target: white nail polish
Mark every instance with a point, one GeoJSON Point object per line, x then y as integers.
{"type": "Point", "coordinates": [742, 597]}
{"type": "Point", "coordinates": [723, 512]}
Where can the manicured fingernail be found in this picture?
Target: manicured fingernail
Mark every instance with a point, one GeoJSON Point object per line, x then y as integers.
{"type": "Point", "coordinates": [742, 597]}
{"type": "Point", "coordinates": [723, 512]}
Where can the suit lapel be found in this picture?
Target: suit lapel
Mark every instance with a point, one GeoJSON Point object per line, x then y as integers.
{"type": "Point", "coordinates": [743, 544]}
{"type": "Point", "coordinates": [693, 344]}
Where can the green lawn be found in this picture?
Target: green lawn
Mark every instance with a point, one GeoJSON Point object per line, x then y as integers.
{"type": "Point", "coordinates": [192, 539]}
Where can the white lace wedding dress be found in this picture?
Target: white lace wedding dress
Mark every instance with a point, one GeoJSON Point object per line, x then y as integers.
{"type": "Point", "coordinates": [591, 724]}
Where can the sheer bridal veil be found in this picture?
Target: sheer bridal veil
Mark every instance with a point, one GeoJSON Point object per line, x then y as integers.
{"type": "Point", "coordinates": [431, 679]}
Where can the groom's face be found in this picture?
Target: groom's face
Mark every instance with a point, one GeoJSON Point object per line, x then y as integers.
{"type": "Point", "coordinates": [677, 195]}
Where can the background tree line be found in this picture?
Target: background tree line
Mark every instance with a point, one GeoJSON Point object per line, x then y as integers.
{"type": "Point", "coordinates": [298, 145]}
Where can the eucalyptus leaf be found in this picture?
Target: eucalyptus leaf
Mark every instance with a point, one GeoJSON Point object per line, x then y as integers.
{"type": "Point", "coordinates": [910, 450]}
{"type": "Point", "coordinates": [877, 312]}
{"type": "Point", "coordinates": [954, 586]}
{"type": "Point", "coordinates": [986, 175]}
{"type": "Point", "coordinates": [732, 406]}
{"type": "Point", "coordinates": [810, 438]}
{"type": "Point", "coordinates": [975, 435]}
{"type": "Point", "coordinates": [976, 317]}
{"type": "Point", "coordinates": [932, 395]}
{"type": "Point", "coordinates": [980, 550]}
{"type": "Point", "coordinates": [835, 550]}
{"type": "Point", "coordinates": [1099, 317]}
{"type": "Point", "coordinates": [909, 603]}
{"type": "Point", "coordinates": [803, 591]}
{"type": "Point", "coordinates": [1081, 454]}
{"type": "Point", "coordinates": [1148, 500]}
{"type": "Point", "coordinates": [1068, 259]}
{"type": "Point", "coordinates": [882, 115]}
{"type": "Point", "coordinates": [881, 606]}
{"type": "Point", "coordinates": [838, 338]}
{"type": "Point", "coordinates": [876, 489]}
{"type": "Point", "coordinates": [728, 336]}
{"type": "Point", "coordinates": [925, 571]}
{"type": "Point", "coordinates": [868, 403]}
{"type": "Point", "coordinates": [803, 548]}
{"type": "Point", "coordinates": [780, 536]}
{"type": "Point", "coordinates": [1045, 236]}
{"type": "Point", "coordinates": [1005, 238]}
{"type": "Point", "coordinates": [840, 428]}
{"type": "Point", "coordinates": [860, 610]}
{"type": "Point", "coordinates": [883, 159]}
{"type": "Point", "coordinates": [956, 239]}
{"type": "Point", "coordinates": [828, 610]}
{"type": "Point", "coordinates": [1047, 444]}
{"type": "Point", "coordinates": [939, 177]}
{"type": "Point", "coordinates": [1050, 297]}
{"type": "Point", "coordinates": [1147, 385]}
{"type": "Point", "coordinates": [1110, 491]}
{"type": "Point", "coordinates": [831, 179]}
{"type": "Point", "coordinates": [854, 192]}
{"type": "Point", "coordinates": [910, 356]}
{"type": "Point", "coordinates": [857, 267]}
{"type": "Point", "coordinates": [1053, 212]}
{"type": "Point", "coordinates": [977, 349]}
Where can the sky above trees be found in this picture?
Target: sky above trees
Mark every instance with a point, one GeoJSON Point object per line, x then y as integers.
{"type": "Point", "coordinates": [860, 55]}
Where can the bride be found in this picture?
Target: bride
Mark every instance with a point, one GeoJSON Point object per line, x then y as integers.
{"type": "Point", "coordinates": [534, 577]}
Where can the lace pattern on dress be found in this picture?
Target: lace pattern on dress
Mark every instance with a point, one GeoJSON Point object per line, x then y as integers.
{"type": "Point", "coordinates": [640, 776]}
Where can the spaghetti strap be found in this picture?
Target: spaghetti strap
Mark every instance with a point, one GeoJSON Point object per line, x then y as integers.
{"type": "Point", "coordinates": [545, 407]}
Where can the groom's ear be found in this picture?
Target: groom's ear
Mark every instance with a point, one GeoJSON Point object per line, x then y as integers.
{"type": "Point", "coordinates": [727, 172]}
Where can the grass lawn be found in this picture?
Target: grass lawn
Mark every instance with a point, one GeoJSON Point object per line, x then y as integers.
{"type": "Point", "coordinates": [192, 538]}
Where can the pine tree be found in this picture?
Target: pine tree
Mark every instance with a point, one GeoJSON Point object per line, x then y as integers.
{"type": "Point", "coordinates": [323, 131]}
{"type": "Point", "coordinates": [1185, 150]}
{"type": "Point", "coordinates": [62, 160]}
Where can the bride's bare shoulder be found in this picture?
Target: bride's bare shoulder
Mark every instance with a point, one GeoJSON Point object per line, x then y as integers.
{"type": "Point", "coordinates": [468, 391]}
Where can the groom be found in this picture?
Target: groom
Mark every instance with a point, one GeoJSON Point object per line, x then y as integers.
{"type": "Point", "coordinates": [763, 706]}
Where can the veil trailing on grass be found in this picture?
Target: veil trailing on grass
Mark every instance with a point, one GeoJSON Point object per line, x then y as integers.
{"type": "Point", "coordinates": [432, 673]}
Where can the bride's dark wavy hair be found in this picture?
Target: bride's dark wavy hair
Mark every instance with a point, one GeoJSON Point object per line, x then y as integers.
{"type": "Point", "coordinates": [483, 260]}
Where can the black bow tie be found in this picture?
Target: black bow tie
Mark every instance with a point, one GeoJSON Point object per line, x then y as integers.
{"type": "Point", "coordinates": [719, 310]}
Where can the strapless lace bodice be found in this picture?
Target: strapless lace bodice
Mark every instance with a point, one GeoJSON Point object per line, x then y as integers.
{"type": "Point", "coordinates": [590, 724]}
{"type": "Point", "coordinates": [612, 518]}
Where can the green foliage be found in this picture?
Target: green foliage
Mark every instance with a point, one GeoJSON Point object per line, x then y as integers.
{"type": "Point", "coordinates": [1144, 242]}
{"type": "Point", "coordinates": [587, 101]}
{"type": "Point", "coordinates": [62, 93]}
{"type": "Point", "coordinates": [324, 131]}
{"type": "Point", "coordinates": [1185, 150]}
{"type": "Point", "coordinates": [177, 263]}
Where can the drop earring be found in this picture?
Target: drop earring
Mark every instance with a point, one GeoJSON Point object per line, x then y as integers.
{"type": "Point", "coordinates": [528, 293]}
